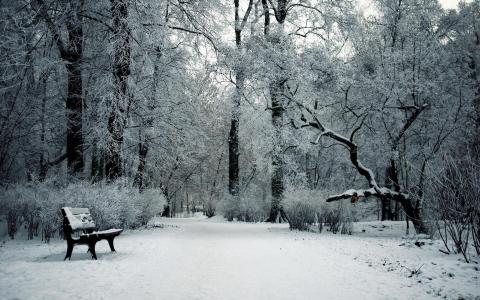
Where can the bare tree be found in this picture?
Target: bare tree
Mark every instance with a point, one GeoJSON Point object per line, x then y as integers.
{"type": "Point", "coordinates": [412, 208]}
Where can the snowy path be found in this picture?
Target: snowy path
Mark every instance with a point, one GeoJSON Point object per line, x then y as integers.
{"type": "Point", "coordinates": [198, 259]}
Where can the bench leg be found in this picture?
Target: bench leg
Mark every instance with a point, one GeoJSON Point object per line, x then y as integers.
{"type": "Point", "coordinates": [110, 243]}
{"type": "Point", "coordinates": [91, 248]}
{"type": "Point", "coordinates": [69, 251]}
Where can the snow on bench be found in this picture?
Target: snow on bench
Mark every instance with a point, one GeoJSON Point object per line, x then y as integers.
{"type": "Point", "coordinates": [79, 219]}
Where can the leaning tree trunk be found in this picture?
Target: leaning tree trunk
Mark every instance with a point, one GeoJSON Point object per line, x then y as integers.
{"type": "Point", "coordinates": [121, 71]}
{"type": "Point", "coordinates": [412, 209]}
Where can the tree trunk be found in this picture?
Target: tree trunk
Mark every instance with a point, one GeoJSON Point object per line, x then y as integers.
{"type": "Point", "coordinates": [97, 167]}
{"type": "Point", "coordinates": [233, 141]}
{"type": "Point", "coordinates": [74, 103]}
{"type": "Point", "coordinates": [138, 181]}
{"type": "Point", "coordinates": [276, 94]}
{"type": "Point", "coordinates": [474, 74]}
{"type": "Point", "coordinates": [391, 182]}
{"type": "Point", "coordinates": [233, 154]}
{"type": "Point", "coordinates": [414, 214]}
{"type": "Point", "coordinates": [42, 161]}
{"type": "Point", "coordinates": [96, 173]}
{"type": "Point", "coordinates": [74, 107]}
{"type": "Point", "coordinates": [121, 71]}
{"type": "Point", "coordinates": [147, 124]}
{"type": "Point", "coordinates": [277, 185]}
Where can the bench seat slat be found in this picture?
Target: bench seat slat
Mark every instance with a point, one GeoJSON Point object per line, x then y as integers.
{"type": "Point", "coordinates": [103, 233]}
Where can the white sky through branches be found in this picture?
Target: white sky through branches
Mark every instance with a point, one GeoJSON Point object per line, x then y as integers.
{"type": "Point", "coordinates": [366, 5]}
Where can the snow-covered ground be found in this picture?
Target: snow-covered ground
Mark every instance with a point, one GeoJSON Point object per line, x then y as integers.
{"type": "Point", "coordinates": [210, 259]}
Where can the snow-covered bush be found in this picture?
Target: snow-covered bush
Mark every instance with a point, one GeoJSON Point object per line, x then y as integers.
{"type": "Point", "coordinates": [338, 216]}
{"type": "Point", "coordinates": [305, 208]}
{"type": "Point", "coordinates": [113, 205]}
{"type": "Point", "coordinates": [14, 205]}
{"type": "Point", "coordinates": [302, 207]}
{"type": "Point", "coordinates": [247, 208]}
{"type": "Point", "coordinates": [228, 207]}
{"type": "Point", "coordinates": [149, 203]}
{"type": "Point", "coordinates": [110, 205]}
{"type": "Point", "coordinates": [252, 209]}
{"type": "Point", "coordinates": [210, 208]}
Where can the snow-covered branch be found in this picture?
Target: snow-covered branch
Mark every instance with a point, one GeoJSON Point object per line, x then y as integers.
{"type": "Point", "coordinates": [374, 188]}
{"type": "Point", "coordinates": [355, 194]}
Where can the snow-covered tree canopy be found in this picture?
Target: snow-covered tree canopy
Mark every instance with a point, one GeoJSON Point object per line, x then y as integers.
{"type": "Point", "coordinates": [210, 101]}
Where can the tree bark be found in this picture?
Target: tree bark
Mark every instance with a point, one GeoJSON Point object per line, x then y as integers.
{"type": "Point", "coordinates": [42, 161]}
{"type": "Point", "coordinates": [74, 104]}
{"type": "Point", "coordinates": [74, 107]}
{"type": "Point", "coordinates": [121, 71]}
{"type": "Point", "coordinates": [233, 145]}
{"type": "Point", "coordinates": [474, 65]}
{"type": "Point", "coordinates": [277, 184]}
{"type": "Point", "coordinates": [391, 182]}
{"type": "Point", "coordinates": [97, 166]}
{"type": "Point", "coordinates": [276, 88]}
{"type": "Point", "coordinates": [233, 140]}
{"type": "Point", "coordinates": [138, 181]}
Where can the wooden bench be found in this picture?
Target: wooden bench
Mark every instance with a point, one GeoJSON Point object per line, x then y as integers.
{"type": "Point", "coordinates": [80, 220]}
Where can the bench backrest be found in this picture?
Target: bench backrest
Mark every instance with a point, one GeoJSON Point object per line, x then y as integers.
{"type": "Point", "coordinates": [77, 218]}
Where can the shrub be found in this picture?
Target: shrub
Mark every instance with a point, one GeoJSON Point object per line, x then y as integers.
{"type": "Point", "coordinates": [149, 204]}
{"type": "Point", "coordinates": [247, 208]}
{"type": "Point", "coordinates": [302, 208]}
{"type": "Point", "coordinates": [454, 205]}
{"type": "Point", "coordinates": [306, 208]}
{"type": "Point", "coordinates": [113, 205]}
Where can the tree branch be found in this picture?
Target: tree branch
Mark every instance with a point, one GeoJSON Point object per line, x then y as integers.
{"type": "Point", "coordinates": [57, 160]}
{"type": "Point", "coordinates": [51, 27]}
{"type": "Point", "coordinates": [375, 189]}
{"type": "Point", "coordinates": [407, 124]}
